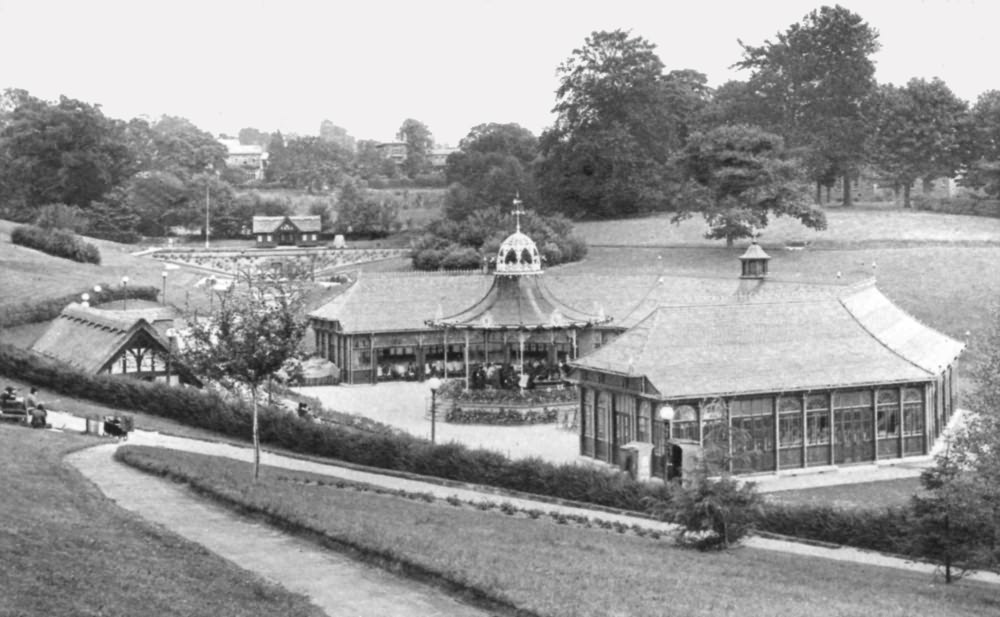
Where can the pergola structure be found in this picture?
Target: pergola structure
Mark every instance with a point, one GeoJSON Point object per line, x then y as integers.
{"type": "Point", "coordinates": [517, 308]}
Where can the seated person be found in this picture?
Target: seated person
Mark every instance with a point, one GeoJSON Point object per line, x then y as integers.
{"type": "Point", "coordinates": [8, 394]}
{"type": "Point", "coordinates": [39, 417]}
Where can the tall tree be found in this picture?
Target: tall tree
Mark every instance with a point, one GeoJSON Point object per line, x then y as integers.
{"type": "Point", "coordinates": [64, 152]}
{"type": "Point", "coordinates": [817, 78]}
{"type": "Point", "coordinates": [740, 177]}
{"type": "Point", "coordinates": [328, 131]}
{"type": "Point", "coordinates": [982, 169]}
{"type": "Point", "coordinates": [419, 141]}
{"type": "Point", "coordinates": [919, 133]}
{"type": "Point", "coordinates": [308, 163]}
{"type": "Point", "coordinates": [254, 330]}
{"type": "Point", "coordinates": [183, 149]}
{"type": "Point", "coordinates": [494, 161]}
{"type": "Point", "coordinates": [250, 136]}
{"type": "Point", "coordinates": [617, 124]}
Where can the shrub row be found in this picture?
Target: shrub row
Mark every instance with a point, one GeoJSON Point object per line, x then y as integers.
{"type": "Point", "coordinates": [958, 205]}
{"type": "Point", "coordinates": [502, 416]}
{"type": "Point", "coordinates": [57, 242]}
{"type": "Point", "coordinates": [34, 311]}
{"type": "Point", "coordinates": [392, 451]}
{"type": "Point", "coordinates": [882, 529]}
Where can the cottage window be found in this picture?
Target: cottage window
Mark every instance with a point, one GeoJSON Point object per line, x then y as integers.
{"type": "Point", "coordinates": [588, 412]}
{"type": "Point", "coordinates": [913, 411]}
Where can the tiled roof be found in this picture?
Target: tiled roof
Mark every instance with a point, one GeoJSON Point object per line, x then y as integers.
{"type": "Point", "coordinates": [519, 302]}
{"type": "Point", "coordinates": [385, 303]}
{"type": "Point", "coordinates": [268, 224]}
{"type": "Point", "coordinates": [88, 338]}
{"type": "Point", "coordinates": [771, 344]}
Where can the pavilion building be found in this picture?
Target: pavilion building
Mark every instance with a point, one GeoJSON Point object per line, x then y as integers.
{"type": "Point", "coordinates": [827, 375]}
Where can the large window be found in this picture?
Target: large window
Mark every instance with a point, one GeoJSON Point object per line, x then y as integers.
{"type": "Point", "coordinates": [853, 415]}
{"type": "Point", "coordinates": [913, 411]}
{"type": "Point", "coordinates": [685, 423]}
{"type": "Point", "coordinates": [818, 419]}
{"type": "Point", "coordinates": [752, 421]}
{"type": "Point", "coordinates": [645, 420]}
{"type": "Point", "coordinates": [790, 421]}
{"type": "Point", "coordinates": [588, 412]}
{"type": "Point", "coordinates": [887, 413]}
{"type": "Point", "coordinates": [603, 415]}
{"type": "Point", "coordinates": [624, 414]}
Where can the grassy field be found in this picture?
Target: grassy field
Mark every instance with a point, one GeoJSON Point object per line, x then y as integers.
{"type": "Point", "coordinates": [559, 570]}
{"type": "Point", "coordinates": [873, 225]}
{"type": "Point", "coordinates": [67, 550]}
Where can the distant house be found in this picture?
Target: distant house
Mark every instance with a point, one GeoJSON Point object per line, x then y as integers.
{"type": "Point", "coordinates": [273, 231]}
{"type": "Point", "coordinates": [250, 159]}
{"type": "Point", "coordinates": [395, 151]}
{"type": "Point", "coordinates": [439, 156]}
{"type": "Point", "coordinates": [99, 341]}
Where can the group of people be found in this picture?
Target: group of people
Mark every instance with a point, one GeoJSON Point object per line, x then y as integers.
{"type": "Point", "coordinates": [38, 416]}
{"type": "Point", "coordinates": [507, 376]}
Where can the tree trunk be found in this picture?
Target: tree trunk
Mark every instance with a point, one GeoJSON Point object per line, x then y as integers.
{"type": "Point", "coordinates": [848, 198]}
{"type": "Point", "coordinates": [729, 241]}
{"type": "Point", "coordinates": [256, 436]}
{"type": "Point", "coordinates": [819, 193]}
{"type": "Point", "coordinates": [906, 196]}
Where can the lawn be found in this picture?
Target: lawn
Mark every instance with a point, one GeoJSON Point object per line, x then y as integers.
{"type": "Point", "coordinates": [67, 550]}
{"type": "Point", "coordinates": [845, 227]}
{"type": "Point", "coordinates": [875, 495]}
{"type": "Point", "coordinates": [565, 570]}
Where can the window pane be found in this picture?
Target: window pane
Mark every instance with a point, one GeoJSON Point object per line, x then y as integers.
{"type": "Point", "coordinates": [789, 403]}
{"type": "Point", "coordinates": [818, 428]}
{"type": "Point", "coordinates": [790, 429]}
{"type": "Point", "coordinates": [817, 402]}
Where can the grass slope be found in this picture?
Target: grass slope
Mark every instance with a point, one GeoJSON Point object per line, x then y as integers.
{"type": "Point", "coordinates": [561, 571]}
{"type": "Point", "coordinates": [67, 550]}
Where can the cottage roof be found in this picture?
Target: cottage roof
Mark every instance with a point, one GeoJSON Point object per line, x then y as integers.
{"type": "Point", "coordinates": [88, 338]}
{"type": "Point", "coordinates": [270, 224]}
{"type": "Point", "coordinates": [770, 344]}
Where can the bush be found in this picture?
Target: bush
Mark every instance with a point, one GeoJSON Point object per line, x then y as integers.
{"type": "Point", "coordinates": [712, 514]}
{"type": "Point", "coordinates": [964, 204]}
{"type": "Point", "coordinates": [46, 310]}
{"type": "Point", "coordinates": [57, 242]}
{"type": "Point", "coordinates": [878, 530]}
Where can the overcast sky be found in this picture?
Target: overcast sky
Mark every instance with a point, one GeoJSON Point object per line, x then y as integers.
{"type": "Point", "coordinates": [367, 66]}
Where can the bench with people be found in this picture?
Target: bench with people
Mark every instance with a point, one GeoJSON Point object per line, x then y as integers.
{"type": "Point", "coordinates": [26, 410]}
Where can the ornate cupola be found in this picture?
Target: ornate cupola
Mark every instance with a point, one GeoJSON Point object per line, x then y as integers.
{"type": "Point", "coordinates": [518, 254]}
{"type": "Point", "coordinates": [754, 262]}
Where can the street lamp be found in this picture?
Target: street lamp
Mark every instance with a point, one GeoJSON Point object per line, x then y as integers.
{"type": "Point", "coordinates": [85, 298]}
{"type": "Point", "coordinates": [124, 293]}
{"type": "Point", "coordinates": [164, 295]}
{"type": "Point", "coordinates": [666, 413]}
{"type": "Point", "coordinates": [433, 383]}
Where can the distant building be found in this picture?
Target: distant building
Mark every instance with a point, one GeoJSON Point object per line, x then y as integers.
{"type": "Point", "coordinates": [250, 159]}
{"type": "Point", "coordinates": [395, 151]}
{"type": "Point", "coordinates": [439, 156]}
{"type": "Point", "coordinates": [271, 231]}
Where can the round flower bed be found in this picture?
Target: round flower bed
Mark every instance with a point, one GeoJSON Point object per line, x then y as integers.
{"type": "Point", "coordinates": [506, 407]}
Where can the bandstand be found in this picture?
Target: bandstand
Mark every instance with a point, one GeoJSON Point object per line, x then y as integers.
{"type": "Point", "coordinates": [519, 321]}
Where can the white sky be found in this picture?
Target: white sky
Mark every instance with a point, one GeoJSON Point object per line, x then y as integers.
{"type": "Point", "coordinates": [452, 64]}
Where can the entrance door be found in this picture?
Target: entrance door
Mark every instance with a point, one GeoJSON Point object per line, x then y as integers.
{"type": "Point", "coordinates": [854, 440]}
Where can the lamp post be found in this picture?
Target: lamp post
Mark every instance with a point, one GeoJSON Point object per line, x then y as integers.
{"type": "Point", "coordinates": [211, 292]}
{"type": "Point", "coordinates": [433, 383]}
{"type": "Point", "coordinates": [124, 293]}
{"type": "Point", "coordinates": [164, 294]}
{"type": "Point", "coordinates": [171, 335]}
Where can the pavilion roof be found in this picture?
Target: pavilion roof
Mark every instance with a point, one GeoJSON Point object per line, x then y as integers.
{"type": "Point", "coordinates": [770, 344]}
{"type": "Point", "coordinates": [518, 302]}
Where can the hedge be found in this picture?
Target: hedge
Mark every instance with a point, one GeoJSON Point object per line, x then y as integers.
{"type": "Point", "coordinates": [57, 242]}
{"type": "Point", "coordinates": [34, 311]}
{"type": "Point", "coordinates": [958, 205]}
{"type": "Point", "coordinates": [385, 450]}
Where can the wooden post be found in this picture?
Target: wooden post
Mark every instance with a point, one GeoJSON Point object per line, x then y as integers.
{"type": "Point", "coordinates": [777, 434]}
{"type": "Point", "coordinates": [372, 359]}
{"type": "Point", "coordinates": [901, 425]}
{"type": "Point", "coordinates": [573, 336]}
{"type": "Point", "coordinates": [833, 432]}
{"type": "Point", "coordinates": [466, 360]}
{"type": "Point", "coordinates": [444, 343]}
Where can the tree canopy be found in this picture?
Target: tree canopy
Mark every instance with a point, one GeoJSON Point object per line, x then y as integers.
{"type": "Point", "coordinates": [983, 156]}
{"type": "Point", "coordinates": [740, 176]}
{"type": "Point", "coordinates": [419, 142]}
{"type": "Point", "coordinates": [817, 78]}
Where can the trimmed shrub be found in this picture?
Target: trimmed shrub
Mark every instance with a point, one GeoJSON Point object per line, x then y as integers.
{"type": "Point", "coordinates": [56, 242]}
{"type": "Point", "coordinates": [48, 309]}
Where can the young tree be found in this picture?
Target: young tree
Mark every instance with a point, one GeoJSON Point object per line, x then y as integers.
{"type": "Point", "coordinates": [618, 122]}
{"type": "Point", "coordinates": [253, 331]}
{"type": "Point", "coordinates": [817, 78]}
{"type": "Point", "coordinates": [919, 132]}
{"type": "Point", "coordinates": [739, 177]}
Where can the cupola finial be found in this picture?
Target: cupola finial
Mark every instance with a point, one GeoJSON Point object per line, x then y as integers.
{"type": "Point", "coordinates": [517, 210]}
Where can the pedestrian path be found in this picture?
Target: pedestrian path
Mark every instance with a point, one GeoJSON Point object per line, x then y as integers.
{"type": "Point", "coordinates": [337, 584]}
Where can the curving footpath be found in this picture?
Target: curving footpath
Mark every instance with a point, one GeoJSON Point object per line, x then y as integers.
{"type": "Point", "coordinates": [334, 582]}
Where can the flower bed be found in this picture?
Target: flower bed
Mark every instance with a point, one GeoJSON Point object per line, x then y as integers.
{"type": "Point", "coordinates": [475, 414]}
{"type": "Point", "coordinates": [506, 407]}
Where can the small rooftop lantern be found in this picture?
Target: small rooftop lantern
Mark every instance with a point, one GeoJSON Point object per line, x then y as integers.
{"type": "Point", "coordinates": [754, 262]}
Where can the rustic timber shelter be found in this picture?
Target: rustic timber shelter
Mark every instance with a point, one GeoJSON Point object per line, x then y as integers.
{"type": "Point", "coordinates": [131, 343]}
{"type": "Point", "coordinates": [779, 380]}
